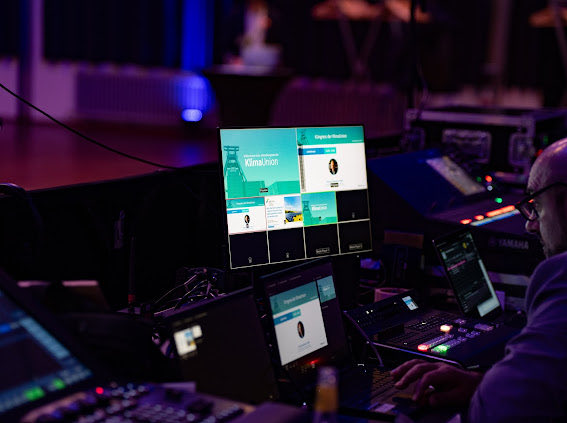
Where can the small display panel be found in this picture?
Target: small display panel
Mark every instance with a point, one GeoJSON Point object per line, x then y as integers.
{"type": "Point", "coordinates": [410, 303]}
{"type": "Point", "coordinates": [455, 175]}
{"type": "Point", "coordinates": [308, 183]}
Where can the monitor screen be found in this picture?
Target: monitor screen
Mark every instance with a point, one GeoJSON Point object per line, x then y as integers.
{"type": "Point", "coordinates": [34, 363]}
{"type": "Point", "coordinates": [294, 193]}
{"type": "Point", "coordinates": [467, 275]}
{"type": "Point", "coordinates": [306, 316]}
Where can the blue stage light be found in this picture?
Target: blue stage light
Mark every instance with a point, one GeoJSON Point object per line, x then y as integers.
{"type": "Point", "coordinates": [191, 115]}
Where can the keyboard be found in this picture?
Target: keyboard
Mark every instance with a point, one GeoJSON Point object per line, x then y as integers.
{"type": "Point", "coordinates": [432, 320]}
{"type": "Point", "coordinates": [373, 390]}
{"type": "Point", "coordinates": [133, 403]}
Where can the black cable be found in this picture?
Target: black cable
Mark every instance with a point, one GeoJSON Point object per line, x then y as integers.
{"type": "Point", "coordinates": [189, 295]}
{"type": "Point", "coordinates": [181, 285]}
{"type": "Point", "coordinates": [366, 338]}
{"type": "Point", "coordinates": [85, 137]}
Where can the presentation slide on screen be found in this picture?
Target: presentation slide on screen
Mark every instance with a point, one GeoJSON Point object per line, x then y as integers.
{"type": "Point", "coordinates": [319, 208]}
{"type": "Point", "coordinates": [259, 162]}
{"type": "Point", "coordinates": [284, 211]}
{"type": "Point", "coordinates": [298, 322]}
{"type": "Point", "coordinates": [326, 289]}
{"type": "Point", "coordinates": [331, 159]}
{"type": "Point", "coordinates": [185, 340]}
{"type": "Point", "coordinates": [246, 215]}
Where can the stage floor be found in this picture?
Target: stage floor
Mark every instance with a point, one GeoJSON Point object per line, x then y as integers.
{"type": "Point", "coordinates": [43, 155]}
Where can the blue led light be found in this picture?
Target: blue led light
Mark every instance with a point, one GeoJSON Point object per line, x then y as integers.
{"type": "Point", "coordinates": [191, 115]}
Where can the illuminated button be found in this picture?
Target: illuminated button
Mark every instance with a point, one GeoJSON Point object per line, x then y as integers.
{"type": "Point", "coordinates": [500, 211]}
{"type": "Point", "coordinates": [489, 187]}
{"type": "Point", "coordinates": [466, 221]}
{"type": "Point", "coordinates": [488, 178]}
{"type": "Point", "coordinates": [446, 328]}
{"type": "Point", "coordinates": [440, 348]}
{"type": "Point", "coordinates": [498, 200]}
{"type": "Point", "coordinates": [423, 347]}
{"type": "Point", "coordinates": [479, 217]}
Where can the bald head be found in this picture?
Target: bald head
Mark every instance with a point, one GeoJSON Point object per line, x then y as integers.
{"type": "Point", "coordinates": [551, 203]}
{"type": "Point", "coordinates": [550, 166]}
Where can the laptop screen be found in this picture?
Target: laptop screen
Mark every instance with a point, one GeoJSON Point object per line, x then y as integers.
{"type": "Point", "coordinates": [306, 316]}
{"type": "Point", "coordinates": [467, 275]}
{"type": "Point", "coordinates": [223, 339]}
{"type": "Point", "coordinates": [35, 366]}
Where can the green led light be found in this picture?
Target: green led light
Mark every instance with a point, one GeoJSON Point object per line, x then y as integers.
{"type": "Point", "coordinates": [440, 349]}
{"type": "Point", "coordinates": [478, 179]}
{"type": "Point", "coordinates": [498, 200]}
{"type": "Point", "coordinates": [34, 393]}
{"type": "Point", "coordinates": [58, 384]}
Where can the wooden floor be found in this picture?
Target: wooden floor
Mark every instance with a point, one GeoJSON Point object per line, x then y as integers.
{"type": "Point", "coordinates": [41, 155]}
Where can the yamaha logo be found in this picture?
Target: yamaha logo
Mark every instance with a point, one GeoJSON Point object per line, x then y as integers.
{"type": "Point", "coordinates": [515, 244]}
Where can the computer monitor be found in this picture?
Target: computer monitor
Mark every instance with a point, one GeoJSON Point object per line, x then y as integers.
{"type": "Point", "coordinates": [294, 193]}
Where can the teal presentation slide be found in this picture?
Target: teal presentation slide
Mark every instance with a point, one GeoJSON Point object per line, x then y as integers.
{"type": "Point", "coordinates": [293, 298]}
{"type": "Point", "coordinates": [330, 135]}
{"type": "Point", "coordinates": [326, 289]}
{"type": "Point", "coordinates": [260, 162]}
{"type": "Point", "coordinates": [319, 208]}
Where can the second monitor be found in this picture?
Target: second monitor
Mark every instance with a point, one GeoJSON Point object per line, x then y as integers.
{"type": "Point", "coordinates": [294, 193]}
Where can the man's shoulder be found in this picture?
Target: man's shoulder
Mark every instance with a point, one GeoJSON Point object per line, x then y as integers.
{"type": "Point", "coordinates": [548, 284]}
{"type": "Point", "coordinates": [555, 265]}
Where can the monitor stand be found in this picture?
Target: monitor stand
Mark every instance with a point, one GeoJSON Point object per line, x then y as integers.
{"type": "Point", "coordinates": [346, 270]}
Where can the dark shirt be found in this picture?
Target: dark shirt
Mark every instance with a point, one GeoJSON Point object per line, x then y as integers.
{"type": "Point", "coordinates": [530, 383]}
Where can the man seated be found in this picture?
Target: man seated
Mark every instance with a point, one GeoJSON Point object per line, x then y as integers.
{"type": "Point", "coordinates": [530, 383]}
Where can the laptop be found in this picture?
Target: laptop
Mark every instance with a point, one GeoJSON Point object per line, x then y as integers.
{"type": "Point", "coordinates": [467, 276]}
{"type": "Point", "coordinates": [220, 344]}
{"type": "Point", "coordinates": [306, 324]}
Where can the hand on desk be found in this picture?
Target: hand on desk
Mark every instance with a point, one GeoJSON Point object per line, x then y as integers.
{"type": "Point", "coordinates": [437, 384]}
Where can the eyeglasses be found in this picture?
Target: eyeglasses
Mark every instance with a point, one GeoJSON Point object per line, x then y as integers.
{"type": "Point", "coordinates": [527, 208]}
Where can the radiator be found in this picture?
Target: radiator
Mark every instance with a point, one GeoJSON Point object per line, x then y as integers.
{"type": "Point", "coordinates": [151, 97]}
